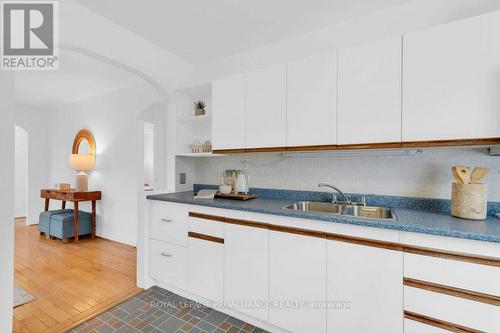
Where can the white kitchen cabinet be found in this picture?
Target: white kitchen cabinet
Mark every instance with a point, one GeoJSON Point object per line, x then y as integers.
{"type": "Point", "coordinates": [297, 273]}
{"type": "Point", "coordinates": [412, 326]}
{"type": "Point", "coordinates": [370, 279]}
{"type": "Point", "coordinates": [311, 101]}
{"type": "Point", "coordinates": [228, 115]}
{"type": "Point", "coordinates": [478, 316]}
{"type": "Point", "coordinates": [206, 268]}
{"type": "Point", "coordinates": [369, 93]}
{"type": "Point", "coordinates": [246, 269]}
{"type": "Point", "coordinates": [266, 107]}
{"type": "Point", "coordinates": [168, 223]}
{"type": "Point", "coordinates": [451, 76]}
{"type": "Point", "coordinates": [168, 263]}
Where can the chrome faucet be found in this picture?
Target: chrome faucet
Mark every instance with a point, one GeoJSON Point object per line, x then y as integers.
{"type": "Point", "coordinates": [347, 199]}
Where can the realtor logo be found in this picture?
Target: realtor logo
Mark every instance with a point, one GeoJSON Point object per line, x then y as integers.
{"type": "Point", "coordinates": [29, 36]}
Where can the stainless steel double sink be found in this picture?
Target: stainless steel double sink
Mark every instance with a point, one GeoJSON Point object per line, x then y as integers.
{"type": "Point", "coordinates": [366, 212]}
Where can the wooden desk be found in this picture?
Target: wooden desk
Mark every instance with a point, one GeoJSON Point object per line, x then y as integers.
{"type": "Point", "coordinates": [74, 197]}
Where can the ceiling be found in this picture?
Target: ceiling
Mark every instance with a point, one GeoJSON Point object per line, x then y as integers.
{"type": "Point", "coordinates": [201, 31]}
{"type": "Point", "coordinates": [79, 78]}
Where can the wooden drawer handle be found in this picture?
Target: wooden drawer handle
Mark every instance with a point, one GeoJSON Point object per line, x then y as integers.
{"type": "Point", "coordinates": [452, 291]}
{"type": "Point", "coordinates": [439, 323]}
{"type": "Point", "coordinates": [206, 237]}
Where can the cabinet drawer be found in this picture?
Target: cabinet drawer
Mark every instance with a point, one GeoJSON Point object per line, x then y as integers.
{"type": "Point", "coordinates": [168, 263]}
{"type": "Point", "coordinates": [459, 274]}
{"type": "Point", "coordinates": [206, 227]}
{"type": "Point", "coordinates": [456, 310]}
{"type": "Point", "coordinates": [168, 223]}
{"type": "Point", "coordinates": [412, 326]}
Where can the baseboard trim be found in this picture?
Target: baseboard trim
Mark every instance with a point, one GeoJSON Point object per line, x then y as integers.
{"type": "Point", "coordinates": [117, 237]}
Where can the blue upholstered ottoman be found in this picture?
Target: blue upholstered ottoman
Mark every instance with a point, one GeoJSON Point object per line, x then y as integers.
{"type": "Point", "coordinates": [62, 225]}
{"type": "Point", "coordinates": [44, 219]}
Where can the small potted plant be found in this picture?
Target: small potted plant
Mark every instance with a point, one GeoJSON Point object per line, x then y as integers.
{"type": "Point", "coordinates": [199, 108]}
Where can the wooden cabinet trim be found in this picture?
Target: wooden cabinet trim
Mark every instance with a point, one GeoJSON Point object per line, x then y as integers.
{"type": "Point", "coordinates": [458, 256]}
{"type": "Point", "coordinates": [445, 325]}
{"type": "Point", "coordinates": [229, 151]}
{"type": "Point", "coordinates": [312, 148]}
{"type": "Point", "coordinates": [374, 145]}
{"type": "Point", "coordinates": [265, 149]}
{"type": "Point", "coordinates": [229, 220]}
{"type": "Point", "coordinates": [475, 259]}
{"type": "Point", "coordinates": [206, 237]}
{"type": "Point", "coordinates": [452, 291]}
{"type": "Point", "coordinates": [366, 242]}
{"type": "Point", "coordinates": [297, 231]}
{"type": "Point", "coordinates": [452, 143]}
{"type": "Point", "coordinates": [381, 145]}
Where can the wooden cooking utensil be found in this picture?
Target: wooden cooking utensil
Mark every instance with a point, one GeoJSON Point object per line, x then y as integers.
{"type": "Point", "coordinates": [479, 174]}
{"type": "Point", "coordinates": [454, 171]}
{"type": "Point", "coordinates": [464, 174]}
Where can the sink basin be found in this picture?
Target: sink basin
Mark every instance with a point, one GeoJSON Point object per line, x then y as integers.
{"type": "Point", "coordinates": [317, 207]}
{"type": "Point", "coordinates": [366, 212]}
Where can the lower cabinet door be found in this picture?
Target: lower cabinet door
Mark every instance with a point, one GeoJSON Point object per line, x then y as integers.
{"type": "Point", "coordinates": [365, 289]}
{"type": "Point", "coordinates": [168, 263]}
{"type": "Point", "coordinates": [297, 286]}
{"type": "Point", "coordinates": [206, 268]}
{"type": "Point", "coordinates": [246, 269]}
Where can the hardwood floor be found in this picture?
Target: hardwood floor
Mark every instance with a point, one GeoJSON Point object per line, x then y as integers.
{"type": "Point", "coordinates": [70, 282]}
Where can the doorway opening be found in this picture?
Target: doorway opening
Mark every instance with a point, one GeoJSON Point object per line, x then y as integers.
{"type": "Point", "coordinates": [21, 176]}
{"type": "Point", "coordinates": [149, 156]}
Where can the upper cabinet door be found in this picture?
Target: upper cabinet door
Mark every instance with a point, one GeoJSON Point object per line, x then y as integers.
{"type": "Point", "coordinates": [369, 105]}
{"type": "Point", "coordinates": [228, 115]}
{"type": "Point", "coordinates": [451, 81]}
{"type": "Point", "coordinates": [266, 107]}
{"type": "Point", "coordinates": [311, 101]}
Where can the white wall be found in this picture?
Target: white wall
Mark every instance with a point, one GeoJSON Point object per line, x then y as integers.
{"type": "Point", "coordinates": [6, 199]}
{"type": "Point", "coordinates": [128, 48]}
{"type": "Point", "coordinates": [426, 175]}
{"type": "Point", "coordinates": [21, 173]}
{"type": "Point", "coordinates": [35, 122]}
{"type": "Point", "coordinates": [114, 120]}
{"type": "Point", "coordinates": [410, 16]}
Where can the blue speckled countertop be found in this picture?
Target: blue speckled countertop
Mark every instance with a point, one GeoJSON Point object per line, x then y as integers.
{"type": "Point", "coordinates": [432, 221]}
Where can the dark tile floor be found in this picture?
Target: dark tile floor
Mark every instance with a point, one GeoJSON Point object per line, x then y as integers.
{"type": "Point", "coordinates": [158, 310]}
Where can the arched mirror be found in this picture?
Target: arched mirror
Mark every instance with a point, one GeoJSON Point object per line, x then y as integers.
{"type": "Point", "coordinates": [82, 158]}
{"type": "Point", "coordinates": [84, 148]}
{"type": "Point", "coordinates": [84, 143]}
